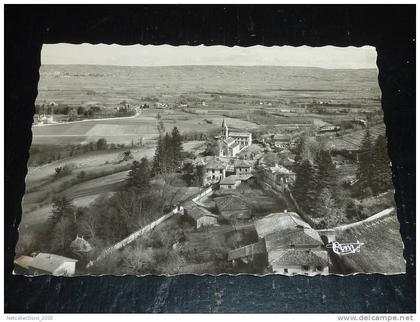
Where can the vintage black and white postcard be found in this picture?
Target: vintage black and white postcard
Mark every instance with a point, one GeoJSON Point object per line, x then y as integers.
{"type": "Point", "coordinates": [208, 160]}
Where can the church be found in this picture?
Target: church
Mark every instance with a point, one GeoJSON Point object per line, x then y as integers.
{"type": "Point", "coordinates": [232, 143]}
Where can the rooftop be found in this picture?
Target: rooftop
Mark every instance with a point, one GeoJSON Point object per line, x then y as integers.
{"type": "Point", "coordinates": [278, 222]}
{"type": "Point", "coordinates": [230, 180]}
{"type": "Point", "coordinates": [229, 140]}
{"type": "Point", "coordinates": [239, 134]}
{"type": "Point", "coordinates": [49, 262]}
{"type": "Point", "coordinates": [196, 212]}
{"type": "Point", "coordinates": [242, 164]}
{"type": "Point", "coordinates": [279, 169]}
{"type": "Point", "coordinates": [215, 164]}
{"type": "Point", "coordinates": [230, 202]}
{"type": "Point", "coordinates": [23, 261]}
{"type": "Point", "coordinates": [300, 257]}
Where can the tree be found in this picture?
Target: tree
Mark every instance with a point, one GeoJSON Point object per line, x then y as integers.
{"type": "Point", "coordinates": [63, 224]}
{"type": "Point", "coordinates": [81, 110]}
{"type": "Point", "coordinates": [62, 235]}
{"type": "Point", "coordinates": [327, 174]}
{"type": "Point", "coordinates": [167, 154]}
{"type": "Point", "coordinates": [382, 180]}
{"type": "Point", "coordinates": [327, 208]}
{"type": "Point", "coordinates": [157, 159]}
{"type": "Point", "coordinates": [139, 175]}
{"type": "Point", "coordinates": [305, 187]}
{"type": "Point", "coordinates": [300, 146]}
{"type": "Point", "coordinates": [101, 144]}
{"type": "Point", "coordinates": [176, 147]}
{"type": "Point", "coordinates": [365, 171]}
{"type": "Point", "coordinates": [61, 208]}
{"type": "Point", "coordinates": [199, 175]}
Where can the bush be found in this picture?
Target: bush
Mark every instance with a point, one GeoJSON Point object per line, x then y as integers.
{"type": "Point", "coordinates": [64, 170]}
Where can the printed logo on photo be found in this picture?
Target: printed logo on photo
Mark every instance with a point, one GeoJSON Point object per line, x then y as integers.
{"type": "Point", "coordinates": [345, 248]}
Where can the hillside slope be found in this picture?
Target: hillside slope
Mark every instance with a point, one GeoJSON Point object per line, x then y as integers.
{"type": "Point", "coordinates": [382, 251]}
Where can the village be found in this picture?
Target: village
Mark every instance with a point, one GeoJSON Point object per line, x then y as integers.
{"type": "Point", "coordinates": [146, 171]}
{"type": "Point", "coordinates": [246, 184]}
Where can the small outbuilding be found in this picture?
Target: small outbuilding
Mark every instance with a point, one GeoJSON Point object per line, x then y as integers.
{"type": "Point", "coordinates": [201, 216]}
{"type": "Point", "coordinates": [230, 182]}
{"type": "Point", "coordinates": [44, 264]}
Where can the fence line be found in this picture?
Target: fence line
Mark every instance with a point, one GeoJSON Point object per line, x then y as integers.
{"type": "Point", "coordinates": [135, 235]}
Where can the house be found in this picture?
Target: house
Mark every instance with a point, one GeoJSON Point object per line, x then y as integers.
{"type": "Point", "coordinates": [278, 177]}
{"type": "Point", "coordinates": [214, 171]}
{"type": "Point", "coordinates": [293, 246]}
{"type": "Point", "coordinates": [201, 216]}
{"type": "Point", "coordinates": [233, 208]}
{"type": "Point", "coordinates": [254, 254]}
{"type": "Point", "coordinates": [281, 141]}
{"type": "Point", "coordinates": [230, 182]}
{"type": "Point", "coordinates": [242, 168]}
{"type": "Point", "coordinates": [232, 143]}
{"type": "Point", "coordinates": [44, 263]}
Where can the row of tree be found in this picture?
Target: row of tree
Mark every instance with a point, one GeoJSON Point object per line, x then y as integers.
{"type": "Point", "coordinates": [316, 189]}
{"type": "Point", "coordinates": [374, 172]}
{"type": "Point", "coordinates": [168, 154]}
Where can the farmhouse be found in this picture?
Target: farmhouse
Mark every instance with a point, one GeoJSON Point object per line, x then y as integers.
{"type": "Point", "coordinates": [231, 143]}
{"type": "Point", "coordinates": [230, 182]}
{"type": "Point", "coordinates": [201, 216]}
{"type": "Point", "coordinates": [242, 168]}
{"type": "Point", "coordinates": [293, 247]}
{"type": "Point", "coordinates": [278, 177]}
{"type": "Point", "coordinates": [281, 141]}
{"type": "Point", "coordinates": [44, 263]}
{"type": "Point", "coordinates": [233, 208]}
{"type": "Point", "coordinates": [215, 171]}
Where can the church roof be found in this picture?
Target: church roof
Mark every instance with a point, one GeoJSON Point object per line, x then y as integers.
{"type": "Point", "coordinates": [239, 134]}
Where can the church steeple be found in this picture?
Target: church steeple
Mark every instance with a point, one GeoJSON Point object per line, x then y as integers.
{"type": "Point", "coordinates": [225, 128]}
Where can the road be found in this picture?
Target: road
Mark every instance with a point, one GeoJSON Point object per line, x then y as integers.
{"type": "Point", "coordinates": [90, 120]}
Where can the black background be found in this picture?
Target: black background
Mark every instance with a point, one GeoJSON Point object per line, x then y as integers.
{"type": "Point", "coordinates": [390, 28]}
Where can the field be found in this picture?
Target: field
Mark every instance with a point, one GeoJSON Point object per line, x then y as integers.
{"type": "Point", "coordinates": [109, 85]}
{"type": "Point", "coordinates": [210, 92]}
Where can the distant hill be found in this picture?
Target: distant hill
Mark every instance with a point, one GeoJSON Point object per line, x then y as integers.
{"type": "Point", "coordinates": [90, 82]}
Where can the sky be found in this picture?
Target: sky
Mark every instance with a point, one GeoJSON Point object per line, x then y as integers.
{"type": "Point", "coordinates": [165, 55]}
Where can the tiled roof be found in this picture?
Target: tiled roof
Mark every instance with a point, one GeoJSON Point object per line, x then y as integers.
{"type": "Point", "coordinates": [242, 164]}
{"type": "Point", "coordinates": [230, 202]}
{"type": "Point", "coordinates": [215, 164]}
{"type": "Point", "coordinates": [196, 212]}
{"type": "Point", "coordinates": [239, 134]}
{"type": "Point", "coordinates": [230, 180]}
{"type": "Point", "coordinates": [229, 140]}
{"type": "Point", "coordinates": [278, 222]}
{"type": "Point", "coordinates": [248, 250]}
{"type": "Point", "coordinates": [300, 257]}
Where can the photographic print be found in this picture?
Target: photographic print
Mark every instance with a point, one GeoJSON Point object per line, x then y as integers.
{"type": "Point", "coordinates": [214, 160]}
